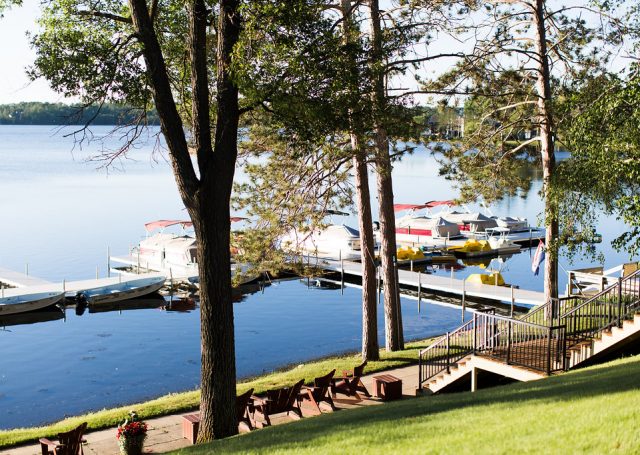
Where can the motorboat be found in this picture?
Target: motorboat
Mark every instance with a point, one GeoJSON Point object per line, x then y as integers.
{"type": "Point", "coordinates": [172, 254]}
{"type": "Point", "coordinates": [112, 293]}
{"type": "Point", "coordinates": [335, 241]}
{"type": "Point", "coordinates": [498, 239]}
{"type": "Point", "coordinates": [422, 228]}
{"type": "Point", "coordinates": [28, 302]}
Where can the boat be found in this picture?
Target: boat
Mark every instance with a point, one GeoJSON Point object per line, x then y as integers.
{"type": "Point", "coordinates": [150, 302]}
{"type": "Point", "coordinates": [112, 293]}
{"type": "Point", "coordinates": [498, 239]}
{"type": "Point", "coordinates": [173, 254]}
{"type": "Point", "coordinates": [28, 302]}
{"type": "Point", "coordinates": [492, 278]}
{"type": "Point", "coordinates": [422, 228]}
{"type": "Point", "coordinates": [335, 241]}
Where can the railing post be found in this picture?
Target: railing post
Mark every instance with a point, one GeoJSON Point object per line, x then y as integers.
{"type": "Point", "coordinates": [419, 370]}
{"type": "Point", "coordinates": [619, 301]}
{"type": "Point", "coordinates": [448, 353]}
{"type": "Point", "coordinates": [549, 351]}
{"type": "Point", "coordinates": [475, 332]}
{"type": "Point", "coordinates": [508, 342]}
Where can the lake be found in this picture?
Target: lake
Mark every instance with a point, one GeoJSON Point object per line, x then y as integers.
{"type": "Point", "coordinates": [61, 214]}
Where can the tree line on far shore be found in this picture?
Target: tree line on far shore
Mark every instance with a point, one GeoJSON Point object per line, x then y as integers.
{"type": "Point", "coordinates": [38, 113]}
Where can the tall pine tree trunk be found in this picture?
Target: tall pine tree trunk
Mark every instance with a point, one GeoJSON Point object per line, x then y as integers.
{"type": "Point", "coordinates": [388, 250]}
{"type": "Point", "coordinates": [543, 88]}
{"type": "Point", "coordinates": [370, 348]}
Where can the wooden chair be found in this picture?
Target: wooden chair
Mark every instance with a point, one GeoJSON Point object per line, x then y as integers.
{"type": "Point", "coordinates": [351, 383]}
{"type": "Point", "coordinates": [319, 392]}
{"type": "Point", "coordinates": [278, 401]}
{"type": "Point", "coordinates": [243, 406]}
{"type": "Point", "coordinates": [69, 443]}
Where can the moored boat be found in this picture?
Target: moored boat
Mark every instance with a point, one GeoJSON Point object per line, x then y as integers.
{"type": "Point", "coordinates": [336, 241]}
{"type": "Point", "coordinates": [28, 302]}
{"type": "Point", "coordinates": [118, 292]}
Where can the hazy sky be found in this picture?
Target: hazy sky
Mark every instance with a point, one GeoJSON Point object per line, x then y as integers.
{"type": "Point", "coordinates": [16, 55]}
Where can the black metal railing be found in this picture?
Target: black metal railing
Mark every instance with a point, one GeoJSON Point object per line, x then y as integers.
{"type": "Point", "coordinates": [604, 310]}
{"type": "Point", "coordinates": [549, 313]}
{"type": "Point", "coordinates": [512, 341]}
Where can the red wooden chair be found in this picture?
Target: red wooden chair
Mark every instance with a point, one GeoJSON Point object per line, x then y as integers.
{"type": "Point", "coordinates": [69, 443]}
{"type": "Point", "coordinates": [319, 392]}
{"type": "Point", "coordinates": [278, 401]}
{"type": "Point", "coordinates": [351, 383]}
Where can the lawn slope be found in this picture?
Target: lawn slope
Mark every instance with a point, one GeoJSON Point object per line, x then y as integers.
{"type": "Point", "coordinates": [595, 410]}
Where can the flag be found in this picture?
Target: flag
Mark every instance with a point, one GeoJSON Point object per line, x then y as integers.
{"type": "Point", "coordinates": [538, 258]}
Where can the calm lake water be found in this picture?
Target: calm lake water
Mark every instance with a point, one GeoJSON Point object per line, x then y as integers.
{"type": "Point", "coordinates": [60, 214]}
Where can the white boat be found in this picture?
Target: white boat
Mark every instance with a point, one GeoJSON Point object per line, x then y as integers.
{"type": "Point", "coordinates": [422, 228]}
{"type": "Point", "coordinates": [118, 292]}
{"type": "Point", "coordinates": [517, 224]}
{"type": "Point", "coordinates": [498, 238]}
{"type": "Point", "coordinates": [28, 302]}
{"type": "Point", "coordinates": [172, 254]}
{"type": "Point", "coordinates": [336, 241]}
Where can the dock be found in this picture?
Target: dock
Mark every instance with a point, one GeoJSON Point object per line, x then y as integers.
{"type": "Point", "coordinates": [438, 284]}
{"type": "Point", "coordinates": [14, 279]}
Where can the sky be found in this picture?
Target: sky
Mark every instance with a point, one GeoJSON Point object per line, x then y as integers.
{"type": "Point", "coordinates": [16, 55]}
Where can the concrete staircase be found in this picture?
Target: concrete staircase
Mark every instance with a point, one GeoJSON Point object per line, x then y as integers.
{"type": "Point", "coordinates": [554, 338]}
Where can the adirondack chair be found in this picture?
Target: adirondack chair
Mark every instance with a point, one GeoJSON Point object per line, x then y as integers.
{"type": "Point", "coordinates": [351, 383]}
{"type": "Point", "coordinates": [243, 406]}
{"type": "Point", "coordinates": [69, 443]}
{"type": "Point", "coordinates": [278, 401]}
{"type": "Point", "coordinates": [319, 392]}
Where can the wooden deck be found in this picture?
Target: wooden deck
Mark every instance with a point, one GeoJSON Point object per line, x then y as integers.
{"type": "Point", "coordinates": [440, 284]}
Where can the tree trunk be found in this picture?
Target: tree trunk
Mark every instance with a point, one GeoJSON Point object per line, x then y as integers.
{"type": "Point", "coordinates": [543, 88]}
{"type": "Point", "coordinates": [370, 350]}
{"type": "Point", "coordinates": [207, 198]}
{"type": "Point", "coordinates": [392, 310]}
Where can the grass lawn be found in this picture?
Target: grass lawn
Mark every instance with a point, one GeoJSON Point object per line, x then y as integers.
{"type": "Point", "coordinates": [181, 402]}
{"type": "Point", "coordinates": [594, 410]}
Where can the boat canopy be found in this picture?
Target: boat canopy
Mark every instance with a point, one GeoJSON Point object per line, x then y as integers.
{"type": "Point", "coordinates": [401, 207]}
{"type": "Point", "coordinates": [426, 205]}
{"type": "Point", "coordinates": [432, 204]}
{"type": "Point", "coordinates": [161, 224]}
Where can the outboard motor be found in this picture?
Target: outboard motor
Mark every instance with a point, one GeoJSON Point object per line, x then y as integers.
{"type": "Point", "coordinates": [376, 226]}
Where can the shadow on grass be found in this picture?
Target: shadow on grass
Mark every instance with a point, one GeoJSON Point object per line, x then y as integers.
{"type": "Point", "coordinates": [595, 381]}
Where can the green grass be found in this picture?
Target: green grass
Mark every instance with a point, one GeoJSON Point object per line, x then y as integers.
{"type": "Point", "coordinates": [186, 401]}
{"type": "Point", "coordinates": [594, 410]}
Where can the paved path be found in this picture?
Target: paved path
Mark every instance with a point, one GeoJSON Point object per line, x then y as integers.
{"type": "Point", "coordinates": [165, 433]}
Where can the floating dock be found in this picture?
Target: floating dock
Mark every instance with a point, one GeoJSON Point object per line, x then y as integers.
{"type": "Point", "coordinates": [438, 284]}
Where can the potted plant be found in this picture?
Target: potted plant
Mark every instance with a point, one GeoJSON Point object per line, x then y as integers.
{"type": "Point", "coordinates": [131, 435]}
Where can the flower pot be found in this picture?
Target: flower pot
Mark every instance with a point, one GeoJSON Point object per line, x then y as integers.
{"type": "Point", "coordinates": [131, 445]}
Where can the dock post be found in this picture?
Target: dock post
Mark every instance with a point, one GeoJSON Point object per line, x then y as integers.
{"type": "Point", "coordinates": [464, 297]}
{"type": "Point", "coordinates": [108, 262]}
{"type": "Point", "coordinates": [171, 280]}
{"type": "Point", "coordinates": [412, 265]}
{"type": "Point", "coordinates": [2, 288]}
{"type": "Point", "coordinates": [341, 274]}
{"type": "Point", "coordinates": [97, 272]}
{"type": "Point", "coordinates": [452, 272]}
{"type": "Point", "coordinates": [138, 271]}
{"type": "Point", "coordinates": [64, 285]}
{"type": "Point", "coordinates": [513, 301]}
{"type": "Point", "coordinates": [379, 283]}
{"type": "Point", "coordinates": [26, 268]}
{"type": "Point", "coordinates": [419, 290]}
{"type": "Point", "coordinates": [530, 237]}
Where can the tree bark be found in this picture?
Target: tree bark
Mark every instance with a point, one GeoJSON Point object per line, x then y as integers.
{"type": "Point", "coordinates": [392, 309]}
{"type": "Point", "coordinates": [370, 347]}
{"type": "Point", "coordinates": [547, 149]}
{"type": "Point", "coordinates": [206, 199]}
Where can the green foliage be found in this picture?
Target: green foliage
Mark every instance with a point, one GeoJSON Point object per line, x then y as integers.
{"type": "Point", "coordinates": [6, 4]}
{"type": "Point", "coordinates": [592, 410]}
{"type": "Point", "coordinates": [292, 182]}
{"type": "Point", "coordinates": [604, 168]}
{"type": "Point", "coordinates": [64, 114]}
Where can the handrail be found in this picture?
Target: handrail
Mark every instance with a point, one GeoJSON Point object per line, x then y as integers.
{"type": "Point", "coordinates": [514, 341]}
{"type": "Point", "coordinates": [604, 310]}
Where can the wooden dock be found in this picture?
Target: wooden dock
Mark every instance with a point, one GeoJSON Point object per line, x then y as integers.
{"type": "Point", "coordinates": [438, 284]}
{"type": "Point", "coordinates": [19, 280]}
